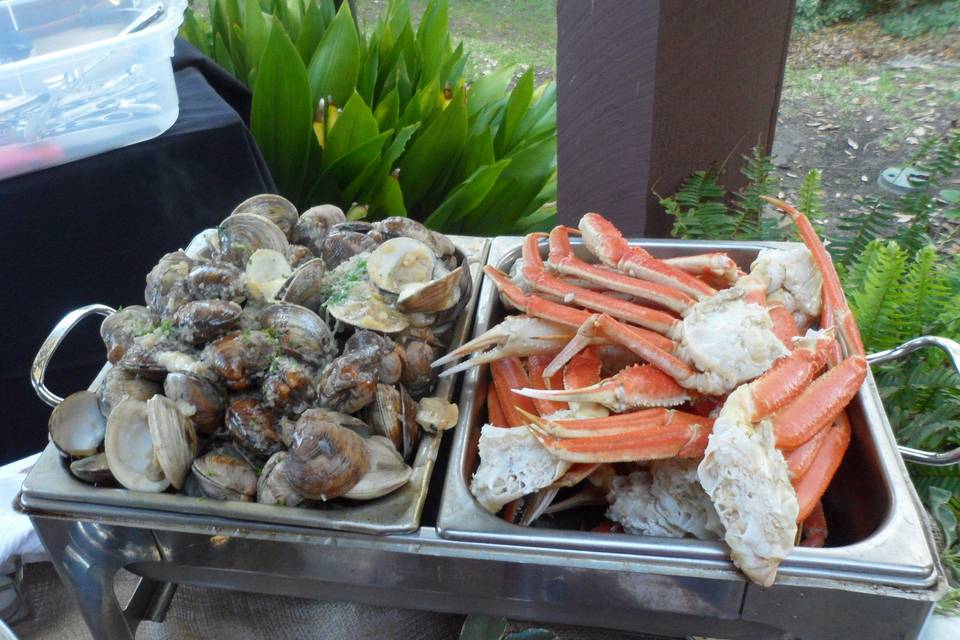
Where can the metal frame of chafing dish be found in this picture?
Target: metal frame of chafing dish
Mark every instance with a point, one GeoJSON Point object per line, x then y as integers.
{"type": "Point", "coordinates": [661, 586]}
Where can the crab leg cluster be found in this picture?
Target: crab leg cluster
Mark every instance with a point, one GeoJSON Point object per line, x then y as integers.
{"type": "Point", "coordinates": [702, 362]}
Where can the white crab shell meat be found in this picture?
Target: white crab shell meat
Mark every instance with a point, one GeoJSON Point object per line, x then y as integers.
{"type": "Point", "coordinates": [513, 464]}
{"type": "Point", "coordinates": [667, 500]}
{"type": "Point", "coordinates": [267, 270]}
{"type": "Point", "coordinates": [748, 480]}
{"type": "Point", "coordinates": [792, 278]}
{"type": "Point", "coordinates": [399, 262]}
{"type": "Point", "coordinates": [729, 339]}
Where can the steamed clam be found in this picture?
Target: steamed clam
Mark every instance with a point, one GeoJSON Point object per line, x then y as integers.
{"type": "Point", "coordinates": [293, 337]}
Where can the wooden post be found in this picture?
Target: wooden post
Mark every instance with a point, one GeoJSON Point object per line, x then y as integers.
{"type": "Point", "coordinates": [650, 91]}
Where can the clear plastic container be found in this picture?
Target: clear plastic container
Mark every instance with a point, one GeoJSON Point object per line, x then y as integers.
{"type": "Point", "coordinates": [79, 77]}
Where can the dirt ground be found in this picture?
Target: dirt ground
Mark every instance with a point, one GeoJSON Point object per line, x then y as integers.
{"type": "Point", "coordinates": [856, 101]}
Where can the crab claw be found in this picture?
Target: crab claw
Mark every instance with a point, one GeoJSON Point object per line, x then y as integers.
{"type": "Point", "coordinates": [515, 336]}
{"type": "Point", "coordinates": [635, 387]}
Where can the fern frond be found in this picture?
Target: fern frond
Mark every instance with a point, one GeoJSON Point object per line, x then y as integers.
{"type": "Point", "coordinates": [877, 304]}
{"type": "Point", "coordinates": [925, 292]}
{"type": "Point", "coordinates": [698, 208]}
{"type": "Point", "coordinates": [809, 199]}
{"type": "Point", "coordinates": [852, 275]}
{"type": "Point", "coordinates": [855, 231]}
{"type": "Point", "coordinates": [749, 205]}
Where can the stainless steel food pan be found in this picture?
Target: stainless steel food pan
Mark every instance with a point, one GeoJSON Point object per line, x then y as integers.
{"type": "Point", "coordinates": [397, 512]}
{"type": "Point", "coordinates": [878, 543]}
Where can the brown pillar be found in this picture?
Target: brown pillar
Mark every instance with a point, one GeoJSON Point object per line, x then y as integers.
{"type": "Point", "coordinates": [650, 91]}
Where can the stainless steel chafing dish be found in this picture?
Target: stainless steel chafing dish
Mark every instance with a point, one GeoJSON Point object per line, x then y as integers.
{"type": "Point", "coordinates": [880, 580]}
{"type": "Point", "coordinates": [878, 544]}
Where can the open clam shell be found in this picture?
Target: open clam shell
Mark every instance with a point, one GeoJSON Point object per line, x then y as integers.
{"type": "Point", "coordinates": [400, 262]}
{"type": "Point", "coordinates": [408, 420]}
{"type": "Point", "coordinates": [314, 225]}
{"type": "Point", "coordinates": [433, 296]}
{"type": "Point", "coordinates": [129, 448]}
{"type": "Point", "coordinates": [384, 414]}
{"type": "Point", "coordinates": [242, 234]}
{"type": "Point", "coordinates": [398, 226]}
{"type": "Point", "coordinates": [224, 474]}
{"type": "Point", "coordinates": [174, 439]}
{"type": "Point", "coordinates": [273, 487]}
{"type": "Point", "coordinates": [266, 273]}
{"type": "Point", "coordinates": [386, 473]}
{"type": "Point", "coordinates": [166, 289]}
{"type": "Point", "coordinates": [119, 384]}
{"type": "Point", "coordinates": [274, 208]}
{"type": "Point", "coordinates": [436, 414]}
{"type": "Point", "coordinates": [77, 427]}
{"type": "Point", "coordinates": [204, 246]}
{"type": "Point", "coordinates": [305, 285]}
{"type": "Point", "coordinates": [93, 469]}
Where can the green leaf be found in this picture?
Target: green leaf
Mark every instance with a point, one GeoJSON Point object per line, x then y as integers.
{"type": "Point", "coordinates": [358, 159]}
{"type": "Point", "coordinates": [368, 76]}
{"type": "Point", "coordinates": [398, 15]}
{"type": "Point", "coordinates": [452, 70]}
{"type": "Point", "coordinates": [290, 13]}
{"type": "Point", "coordinates": [364, 187]}
{"type": "Point", "coordinates": [483, 628]}
{"type": "Point", "coordinates": [222, 55]}
{"type": "Point", "coordinates": [517, 107]}
{"type": "Point", "coordinates": [489, 88]}
{"type": "Point", "coordinates": [315, 20]}
{"type": "Point", "coordinates": [256, 32]}
{"type": "Point", "coordinates": [435, 151]}
{"type": "Point", "coordinates": [950, 195]}
{"type": "Point", "coordinates": [434, 40]}
{"type": "Point", "coordinates": [465, 198]}
{"type": "Point", "coordinates": [281, 115]}
{"type": "Point", "coordinates": [354, 127]}
{"type": "Point", "coordinates": [940, 508]}
{"type": "Point", "coordinates": [389, 199]}
{"type": "Point", "coordinates": [193, 32]}
{"type": "Point", "coordinates": [518, 185]}
{"type": "Point", "coordinates": [335, 65]}
{"type": "Point", "coordinates": [540, 119]}
{"type": "Point", "coordinates": [477, 152]}
{"type": "Point", "coordinates": [388, 111]}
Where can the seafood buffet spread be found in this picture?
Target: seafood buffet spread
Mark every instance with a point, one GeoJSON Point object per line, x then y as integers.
{"type": "Point", "coordinates": [688, 397]}
{"type": "Point", "coordinates": [281, 358]}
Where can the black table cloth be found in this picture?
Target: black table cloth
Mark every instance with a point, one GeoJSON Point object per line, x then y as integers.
{"type": "Point", "coordinates": [89, 231]}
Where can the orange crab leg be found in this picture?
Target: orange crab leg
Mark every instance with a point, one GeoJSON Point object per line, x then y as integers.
{"type": "Point", "coordinates": [630, 337]}
{"type": "Point", "coordinates": [576, 474]}
{"type": "Point", "coordinates": [815, 481]}
{"type": "Point", "coordinates": [784, 326]}
{"type": "Point", "coordinates": [535, 365]}
{"type": "Point", "coordinates": [634, 387]}
{"type": "Point", "coordinates": [789, 376]}
{"type": "Point", "coordinates": [563, 260]}
{"type": "Point", "coordinates": [583, 369]}
{"type": "Point", "coordinates": [509, 374]}
{"type": "Point", "coordinates": [607, 243]}
{"type": "Point", "coordinates": [535, 274]}
{"type": "Point", "coordinates": [623, 424]}
{"type": "Point", "coordinates": [655, 442]}
{"type": "Point", "coordinates": [819, 404]}
{"type": "Point", "coordinates": [835, 310]}
{"type": "Point", "coordinates": [494, 411]}
{"type": "Point", "coordinates": [709, 267]}
{"type": "Point", "coordinates": [800, 459]}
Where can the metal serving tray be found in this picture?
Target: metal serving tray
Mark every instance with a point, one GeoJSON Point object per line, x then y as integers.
{"type": "Point", "coordinates": [878, 543]}
{"type": "Point", "coordinates": [397, 512]}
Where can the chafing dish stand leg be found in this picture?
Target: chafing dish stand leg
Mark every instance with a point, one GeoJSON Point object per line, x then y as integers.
{"type": "Point", "coordinates": [88, 555]}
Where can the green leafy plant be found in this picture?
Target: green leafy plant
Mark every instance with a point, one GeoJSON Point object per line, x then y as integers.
{"type": "Point", "coordinates": [384, 123]}
{"type": "Point", "coordinates": [903, 18]}
{"type": "Point", "coordinates": [488, 628]}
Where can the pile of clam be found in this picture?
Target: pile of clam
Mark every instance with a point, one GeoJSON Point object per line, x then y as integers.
{"type": "Point", "coordinates": [281, 358]}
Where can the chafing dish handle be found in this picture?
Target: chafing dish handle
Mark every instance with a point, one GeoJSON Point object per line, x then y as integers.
{"type": "Point", "coordinates": [952, 349]}
{"type": "Point", "coordinates": [39, 369]}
